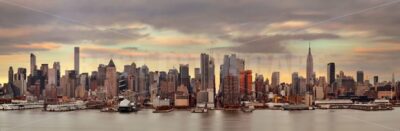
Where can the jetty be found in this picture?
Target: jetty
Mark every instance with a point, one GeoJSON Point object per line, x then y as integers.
{"type": "Point", "coordinates": [296, 107]}
{"type": "Point", "coordinates": [21, 106]}
{"type": "Point", "coordinates": [65, 107]}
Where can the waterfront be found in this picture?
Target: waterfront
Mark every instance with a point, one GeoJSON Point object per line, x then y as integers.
{"type": "Point", "coordinates": [145, 120]}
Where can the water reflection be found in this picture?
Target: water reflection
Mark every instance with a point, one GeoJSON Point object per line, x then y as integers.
{"type": "Point", "coordinates": [339, 120]}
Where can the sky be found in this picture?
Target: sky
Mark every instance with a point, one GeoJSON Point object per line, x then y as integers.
{"type": "Point", "coordinates": [270, 35]}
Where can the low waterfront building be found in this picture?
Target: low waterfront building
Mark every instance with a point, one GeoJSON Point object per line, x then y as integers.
{"type": "Point", "coordinates": [182, 97]}
{"type": "Point", "coordinates": [385, 92]}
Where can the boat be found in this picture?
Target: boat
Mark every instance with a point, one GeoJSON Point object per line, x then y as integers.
{"type": "Point", "coordinates": [163, 110]}
{"type": "Point", "coordinates": [108, 109]}
{"type": "Point", "coordinates": [162, 106]}
{"type": "Point", "coordinates": [127, 106]}
{"type": "Point", "coordinates": [199, 110]}
{"type": "Point", "coordinates": [248, 109]}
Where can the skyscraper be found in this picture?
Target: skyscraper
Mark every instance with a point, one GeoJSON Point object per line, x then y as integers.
{"type": "Point", "coordinates": [57, 67]}
{"type": "Point", "coordinates": [331, 73]}
{"type": "Point", "coordinates": [184, 78]}
{"type": "Point", "coordinates": [51, 78]}
{"type": "Point", "coordinates": [76, 60]}
{"type": "Point", "coordinates": [33, 64]}
{"type": "Point", "coordinates": [205, 60]}
{"type": "Point", "coordinates": [310, 67]}
{"type": "Point", "coordinates": [10, 75]}
{"type": "Point", "coordinates": [101, 76]}
{"type": "Point", "coordinates": [69, 83]}
{"type": "Point", "coordinates": [20, 82]}
{"type": "Point", "coordinates": [207, 69]}
{"type": "Point", "coordinates": [230, 83]}
{"type": "Point", "coordinates": [143, 81]}
{"type": "Point", "coordinates": [360, 77]}
{"type": "Point", "coordinates": [111, 80]}
{"type": "Point", "coordinates": [295, 91]}
{"type": "Point", "coordinates": [260, 90]}
{"type": "Point", "coordinates": [376, 80]}
{"type": "Point", "coordinates": [246, 83]}
{"type": "Point", "coordinates": [197, 73]}
{"type": "Point", "coordinates": [275, 79]}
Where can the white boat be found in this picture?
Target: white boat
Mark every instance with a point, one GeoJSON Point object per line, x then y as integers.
{"type": "Point", "coordinates": [199, 110]}
{"type": "Point", "coordinates": [127, 106]}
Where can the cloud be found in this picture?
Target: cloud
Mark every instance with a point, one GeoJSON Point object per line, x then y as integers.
{"type": "Point", "coordinates": [28, 47]}
{"type": "Point", "coordinates": [201, 17]}
{"type": "Point", "coordinates": [131, 48]}
{"type": "Point", "coordinates": [273, 43]}
{"type": "Point", "coordinates": [39, 46]}
{"type": "Point", "coordinates": [288, 25]}
{"type": "Point", "coordinates": [376, 50]}
{"type": "Point", "coordinates": [24, 37]}
{"type": "Point", "coordinates": [178, 41]}
{"type": "Point", "coordinates": [105, 52]}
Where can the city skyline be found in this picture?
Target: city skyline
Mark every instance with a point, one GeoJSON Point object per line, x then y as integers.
{"type": "Point", "coordinates": [76, 67]}
{"type": "Point", "coordinates": [171, 65]}
{"type": "Point", "coordinates": [353, 37]}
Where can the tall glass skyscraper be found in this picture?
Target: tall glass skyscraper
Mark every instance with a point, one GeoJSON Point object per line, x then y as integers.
{"type": "Point", "coordinates": [76, 60]}
{"type": "Point", "coordinates": [331, 73]}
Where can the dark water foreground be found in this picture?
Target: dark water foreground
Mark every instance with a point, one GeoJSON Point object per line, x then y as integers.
{"type": "Point", "coordinates": [145, 120]}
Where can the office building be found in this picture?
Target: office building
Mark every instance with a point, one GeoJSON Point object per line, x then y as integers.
{"type": "Point", "coordinates": [260, 90]}
{"type": "Point", "coordinates": [376, 80]}
{"type": "Point", "coordinates": [246, 83]}
{"type": "Point", "coordinates": [360, 77]}
{"type": "Point", "coordinates": [33, 65]}
{"type": "Point", "coordinates": [331, 73]}
{"type": "Point", "coordinates": [275, 79]}
{"type": "Point", "coordinates": [310, 68]}
{"type": "Point", "coordinates": [111, 80]}
{"type": "Point", "coordinates": [76, 59]}
{"type": "Point", "coordinates": [184, 78]}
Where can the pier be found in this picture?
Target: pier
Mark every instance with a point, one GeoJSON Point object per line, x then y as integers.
{"type": "Point", "coordinates": [21, 106]}
{"type": "Point", "coordinates": [65, 107]}
{"type": "Point", "coordinates": [371, 107]}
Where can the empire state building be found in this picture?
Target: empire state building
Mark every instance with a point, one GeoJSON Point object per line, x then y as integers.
{"type": "Point", "coordinates": [310, 68]}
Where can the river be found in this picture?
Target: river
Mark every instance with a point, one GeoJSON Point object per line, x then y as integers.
{"type": "Point", "coordinates": [145, 120]}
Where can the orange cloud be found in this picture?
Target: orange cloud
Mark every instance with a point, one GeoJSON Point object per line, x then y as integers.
{"type": "Point", "coordinates": [92, 51]}
{"type": "Point", "coordinates": [39, 46]}
{"type": "Point", "coordinates": [178, 41]}
{"type": "Point", "coordinates": [102, 51]}
{"type": "Point", "coordinates": [288, 25]}
{"type": "Point", "coordinates": [18, 32]}
{"type": "Point", "coordinates": [378, 49]}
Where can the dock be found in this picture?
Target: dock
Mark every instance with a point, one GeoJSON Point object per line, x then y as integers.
{"type": "Point", "coordinates": [21, 106]}
{"type": "Point", "coordinates": [296, 107]}
{"type": "Point", "coordinates": [371, 107]}
{"type": "Point", "coordinates": [65, 107]}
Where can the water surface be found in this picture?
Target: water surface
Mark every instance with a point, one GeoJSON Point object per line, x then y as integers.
{"type": "Point", "coordinates": [145, 120]}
